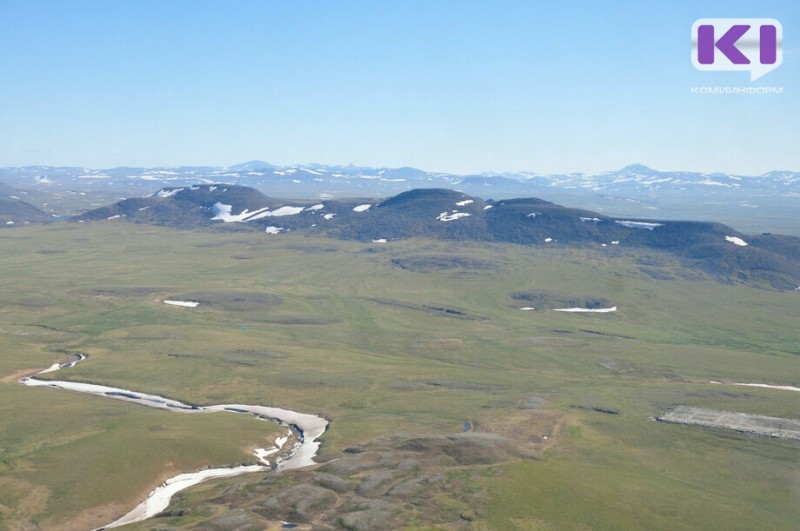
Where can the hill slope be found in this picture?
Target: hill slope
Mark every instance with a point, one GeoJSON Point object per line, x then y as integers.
{"type": "Point", "coordinates": [15, 211]}
{"type": "Point", "coordinates": [767, 260]}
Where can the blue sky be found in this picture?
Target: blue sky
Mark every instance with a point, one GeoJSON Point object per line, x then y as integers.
{"type": "Point", "coordinates": [453, 86]}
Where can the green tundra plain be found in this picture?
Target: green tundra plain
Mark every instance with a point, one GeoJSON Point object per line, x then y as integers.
{"type": "Point", "coordinates": [401, 341]}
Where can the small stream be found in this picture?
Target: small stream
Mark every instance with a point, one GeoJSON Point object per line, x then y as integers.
{"type": "Point", "coordinates": [307, 429]}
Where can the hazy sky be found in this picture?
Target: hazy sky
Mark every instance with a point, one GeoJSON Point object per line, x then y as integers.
{"type": "Point", "coordinates": [453, 86]}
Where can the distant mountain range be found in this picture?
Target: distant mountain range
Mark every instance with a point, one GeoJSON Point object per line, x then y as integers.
{"type": "Point", "coordinates": [313, 180]}
{"type": "Point", "coordinates": [766, 260]}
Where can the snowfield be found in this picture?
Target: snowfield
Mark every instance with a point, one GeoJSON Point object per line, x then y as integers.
{"type": "Point", "coordinates": [737, 241]}
{"type": "Point", "coordinates": [587, 310]}
{"type": "Point", "coordinates": [167, 193]}
{"type": "Point", "coordinates": [444, 216]}
{"type": "Point", "coordinates": [639, 224]}
{"type": "Point", "coordinates": [184, 304]}
{"type": "Point", "coordinates": [222, 212]}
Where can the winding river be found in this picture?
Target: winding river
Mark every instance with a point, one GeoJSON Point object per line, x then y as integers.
{"type": "Point", "coordinates": [307, 429]}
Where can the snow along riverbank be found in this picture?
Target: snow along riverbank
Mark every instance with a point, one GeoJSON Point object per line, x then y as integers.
{"type": "Point", "coordinates": [307, 428]}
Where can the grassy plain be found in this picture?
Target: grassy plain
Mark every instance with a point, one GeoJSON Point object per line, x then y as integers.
{"type": "Point", "coordinates": [336, 328]}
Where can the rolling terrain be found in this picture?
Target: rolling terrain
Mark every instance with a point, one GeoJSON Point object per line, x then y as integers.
{"type": "Point", "coordinates": [760, 203]}
{"type": "Point", "coordinates": [765, 260]}
{"type": "Point", "coordinates": [449, 406]}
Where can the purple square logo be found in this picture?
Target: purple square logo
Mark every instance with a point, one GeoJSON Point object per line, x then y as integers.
{"type": "Point", "coordinates": [754, 45]}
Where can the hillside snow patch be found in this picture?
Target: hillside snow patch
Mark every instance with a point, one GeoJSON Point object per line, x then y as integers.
{"type": "Point", "coordinates": [167, 193]}
{"type": "Point", "coordinates": [184, 304]}
{"type": "Point", "coordinates": [587, 310]}
{"type": "Point", "coordinates": [282, 211]}
{"type": "Point", "coordinates": [465, 202]}
{"type": "Point", "coordinates": [738, 241]}
{"type": "Point", "coordinates": [273, 230]}
{"type": "Point", "coordinates": [361, 208]}
{"type": "Point", "coordinates": [444, 216]}
{"type": "Point", "coordinates": [639, 224]}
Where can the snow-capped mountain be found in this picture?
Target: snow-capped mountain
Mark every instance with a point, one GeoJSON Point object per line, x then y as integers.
{"type": "Point", "coordinates": [312, 179]}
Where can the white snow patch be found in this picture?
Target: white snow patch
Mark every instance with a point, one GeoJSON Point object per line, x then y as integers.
{"type": "Point", "coordinates": [738, 241]}
{"type": "Point", "coordinates": [444, 216]}
{"type": "Point", "coordinates": [9, 222]}
{"type": "Point", "coordinates": [548, 240]}
{"type": "Point", "coordinates": [223, 213]}
{"type": "Point", "coordinates": [143, 208]}
{"type": "Point", "coordinates": [329, 216]}
{"type": "Point", "coordinates": [114, 217]}
{"type": "Point", "coordinates": [361, 208]}
{"type": "Point", "coordinates": [282, 211]}
{"type": "Point", "coordinates": [315, 207]}
{"type": "Point", "coordinates": [615, 242]}
{"type": "Point", "coordinates": [533, 214]}
{"type": "Point", "coordinates": [780, 387]}
{"type": "Point", "coordinates": [54, 367]}
{"type": "Point", "coordinates": [487, 207]}
{"type": "Point", "coordinates": [527, 308]}
{"type": "Point", "coordinates": [273, 230]}
{"type": "Point", "coordinates": [639, 224]}
{"type": "Point", "coordinates": [587, 310]}
{"type": "Point", "coordinates": [465, 202]}
{"type": "Point", "coordinates": [185, 304]}
{"type": "Point", "coordinates": [167, 193]}
{"type": "Point", "coordinates": [380, 240]}
{"type": "Point", "coordinates": [593, 220]}
{"type": "Point", "coordinates": [212, 188]}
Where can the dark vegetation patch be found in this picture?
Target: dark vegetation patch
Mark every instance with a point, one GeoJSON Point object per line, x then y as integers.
{"type": "Point", "coordinates": [260, 354]}
{"type": "Point", "coordinates": [614, 365]}
{"type": "Point", "coordinates": [445, 311]}
{"type": "Point", "coordinates": [429, 264]}
{"type": "Point", "coordinates": [656, 274]}
{"type": "Point", "coordinates": [304, 320]}
{"type": "Point", "coordinates": [604, 334]}
{"type": "Point", "coordinates": [464, 385]}
{"type": "Point", "coordinates": [713, 393]}
{"type": "Point", "coordinates": [51, 251]}
{"type": "Point", "coordinates": [391, 482]}
{"type": "Point", "coordinates": [544, 300]}
{"type": "Point", "coordinates": [598, 409]}
{"type": "Point", "coordinates": [312, 249]}
{"type": "Point", "coordinates": [533, 402]}
{"type": "Point", "coordinates": [123, 292]}
{"type": "Point", "coordinates": [233, 301]}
